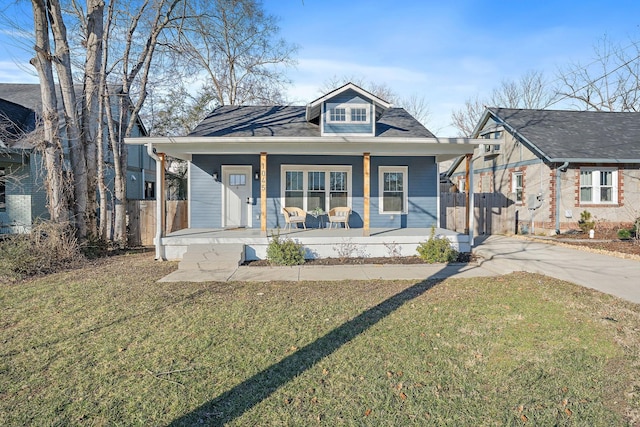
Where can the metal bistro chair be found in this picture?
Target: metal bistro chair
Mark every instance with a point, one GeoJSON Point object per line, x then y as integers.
{"type": "Point", "coordinates": [294, 216]}
{"type": "Point", "coordinates": [339, 215]}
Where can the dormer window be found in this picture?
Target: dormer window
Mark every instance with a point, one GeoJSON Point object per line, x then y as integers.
{"type": "Point", "coordinates": [338, 115]}
{"type": "Point", "coordinates": [350, 113]}
{"type": "Point", "coordinates": [358, 114]}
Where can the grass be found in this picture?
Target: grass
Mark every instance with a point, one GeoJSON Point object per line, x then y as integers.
{"type": "Point", "coordinates": [107, 345]}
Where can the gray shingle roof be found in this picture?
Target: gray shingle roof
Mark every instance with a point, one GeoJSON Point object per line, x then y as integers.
{"type": "Point", "coordinates": [27, 95]}
{"type": "Point", "coordinates": [289, 121]}
{"type": "Point", "coordinates": [15, 122]}
{"type": "Point", "coordinates": [561, 134]}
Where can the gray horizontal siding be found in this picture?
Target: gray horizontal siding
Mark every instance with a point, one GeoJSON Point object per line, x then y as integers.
{"type": "Point", "coordinates": [206, 194]}
{"type": "Point", "coordinates": [423, 197]}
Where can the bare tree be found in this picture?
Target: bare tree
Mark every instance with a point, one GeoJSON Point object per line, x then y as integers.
{"type": "Point", "coordinates": [51, 144]}
{"type": "Point", "coordinates": [530, 91]}
{"type": "Point", "coordinates": [610, 83]}
{"type": "Point", "coordinates": [235, 45]}
{"type": "Point", "coordinates": [62, 63]}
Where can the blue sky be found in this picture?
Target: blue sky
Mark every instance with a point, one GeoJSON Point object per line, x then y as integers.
{"type": "Point", "coordinates": [444, 51]}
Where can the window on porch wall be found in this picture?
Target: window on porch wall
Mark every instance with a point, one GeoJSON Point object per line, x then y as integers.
{"type": "Point", "coordinates": [311, 189]}
{"type": "Point", "coordinates": [338, 189]}
{"type": "Point", "coordinates": [393, 189]}
{"type": "Point", "coordinates": [294, 190]}
{"type": "Point", "coordinates": [316, 195]}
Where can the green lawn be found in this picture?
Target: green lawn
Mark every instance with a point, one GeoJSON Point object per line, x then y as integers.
{"type": "Point", "coordinates": [107, 345]}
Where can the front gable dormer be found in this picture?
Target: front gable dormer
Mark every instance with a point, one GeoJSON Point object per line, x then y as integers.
{"type": "Point", "coordinates": [347, 111]}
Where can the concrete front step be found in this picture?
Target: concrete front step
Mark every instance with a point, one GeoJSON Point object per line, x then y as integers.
{"type": "Point", "coordinates": [223, 256]}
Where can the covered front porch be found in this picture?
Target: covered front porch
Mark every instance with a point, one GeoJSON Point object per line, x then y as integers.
{"type": "Point", "coordinates": [318, 243]}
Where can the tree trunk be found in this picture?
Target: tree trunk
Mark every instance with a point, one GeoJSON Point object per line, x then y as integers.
{"type": "Point", "coordinates": [51, 146]}
{"type": "Point", "coordinates": [91, 117]}
{"type": "Point", "coordinates": [71, 116]}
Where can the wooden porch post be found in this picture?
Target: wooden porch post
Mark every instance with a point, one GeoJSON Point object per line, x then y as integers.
{"type": "Point", "coordinates": [469, 209]}
{"type": "Point", "coordinates": [263, 193]}
{"type": "Point", "coordinates": [367, 193]}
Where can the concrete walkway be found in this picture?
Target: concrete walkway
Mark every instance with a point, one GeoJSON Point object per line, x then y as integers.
{"type": "Point", "coordinates": [605, 273]}
{"type": "Point", "coordinates": [500, 255]}
{"type": "Point", "coordinates": [330, 273]}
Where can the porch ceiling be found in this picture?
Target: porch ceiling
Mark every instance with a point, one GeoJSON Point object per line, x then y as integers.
{"type": "Point", "coordinates": [185, 147]}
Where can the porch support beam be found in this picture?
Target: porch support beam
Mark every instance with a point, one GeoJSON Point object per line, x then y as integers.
{"type": "Point", "coordinates": [161, 220]}
{"type": "Point", "coordinates": [469, 209]}
{"type": "Point", "coordinates": [263, 193]}
{"type": "Point", "coordinates": [366, 193]}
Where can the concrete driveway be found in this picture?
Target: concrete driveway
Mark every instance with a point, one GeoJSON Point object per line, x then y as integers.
{"type": "Point", "coordinates": [605, 273]}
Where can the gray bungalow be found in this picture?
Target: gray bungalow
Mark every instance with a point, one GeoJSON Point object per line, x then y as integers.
{"type": "Point", "coordinates": [347, 149]}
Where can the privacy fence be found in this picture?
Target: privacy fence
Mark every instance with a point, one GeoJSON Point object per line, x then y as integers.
{"type": "Point", "coordinates": [142, 220]}
{"type": "Point", "coordinates": [493, 213]}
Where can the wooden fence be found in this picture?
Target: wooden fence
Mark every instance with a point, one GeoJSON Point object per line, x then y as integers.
{"type": "Point", "coordinates": [493, 213]}
{"type": "Point", "coordinates": [142, 220]}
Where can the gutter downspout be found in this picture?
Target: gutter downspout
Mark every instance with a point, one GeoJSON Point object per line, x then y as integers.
{"type": "Point", "coordinates": [160, 256]}
{"type": "Point", "coordinates": [562, 168]}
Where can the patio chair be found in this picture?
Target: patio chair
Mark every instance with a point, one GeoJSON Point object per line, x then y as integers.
{"type": "Point", "coordinates": [294, 216]}
{"type": "Point", "coordinates": [339, 215]}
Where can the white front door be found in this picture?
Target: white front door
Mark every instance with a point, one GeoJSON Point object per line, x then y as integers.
{"type": "Point", "coordinates": [236, 189]}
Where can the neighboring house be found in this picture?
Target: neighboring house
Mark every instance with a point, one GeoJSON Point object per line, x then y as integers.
{"type": "Point", "coordinates": [347, 148]}
{"type": "Point", "coordinates": [22, 193]}
{"type": "Point", "coordinates": [552, 165]}
{"type": "Point", "coordinates": [18, 199]}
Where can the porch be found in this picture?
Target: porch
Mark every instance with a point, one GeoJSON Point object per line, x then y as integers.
{"type": "Point", "coordinates": [318, 243]}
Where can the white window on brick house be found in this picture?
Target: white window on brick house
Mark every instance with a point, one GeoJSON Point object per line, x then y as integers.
{"type": "Point", "coordinates": [598, 186]}
{"type": "Point", "coordinates": [517, 185]}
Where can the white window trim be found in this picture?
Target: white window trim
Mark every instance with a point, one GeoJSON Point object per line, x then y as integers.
{"type": "Point", "coordinates": [305, 181]}
{"type": "Point", "coordinates": [595, 185]}
{"type": "Point", "coordinates": [405, 181]}
{"type": "Point", "coordinates": [347, 107]}
{"type": "Point", "coordinates": [514, 186]}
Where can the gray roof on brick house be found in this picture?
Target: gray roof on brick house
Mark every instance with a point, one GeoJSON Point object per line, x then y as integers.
{"type": "Point", "coordinates": [560, 135]}
{"type": "Point", "coordinates": [289, 121]}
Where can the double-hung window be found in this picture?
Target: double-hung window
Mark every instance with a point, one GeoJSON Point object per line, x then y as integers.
{"type": "Point", "coordinates": [294, 189]}
{"type": "Point", "coordinates": [517, 185]}
{"type": "Point", "coordinates": [393, 189]}
{"type": "Point", "coordinates": [312, 187]}
{"type": "Point", "coordinates": [598, 186]}
{"type": "Point", "coordinates": [316, 194]}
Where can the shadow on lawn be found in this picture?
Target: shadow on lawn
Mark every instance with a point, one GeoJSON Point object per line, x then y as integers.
{"type": "Point", "coordinates": [235, 402]}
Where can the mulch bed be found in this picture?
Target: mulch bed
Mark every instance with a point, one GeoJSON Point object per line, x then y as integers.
{"type": "Point", "coordinates": [462, 257]}
{"type": "Point", "coordinates": [604, 240]}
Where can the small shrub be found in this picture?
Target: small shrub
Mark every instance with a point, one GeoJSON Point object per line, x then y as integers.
{"type": "Point", "coordinates": [284, 252]}
{"type": "Point", "coordinates": [48, 248]}
{"type": "Point", "coordinates": [586, 223]}
{"type": "Point", "coordinates": [624, 234]}
{"type": "Point", "coordinates": [437, 249]}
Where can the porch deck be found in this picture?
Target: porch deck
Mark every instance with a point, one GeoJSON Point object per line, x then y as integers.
{"type": "Point", "coordinates": [318, 243]}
